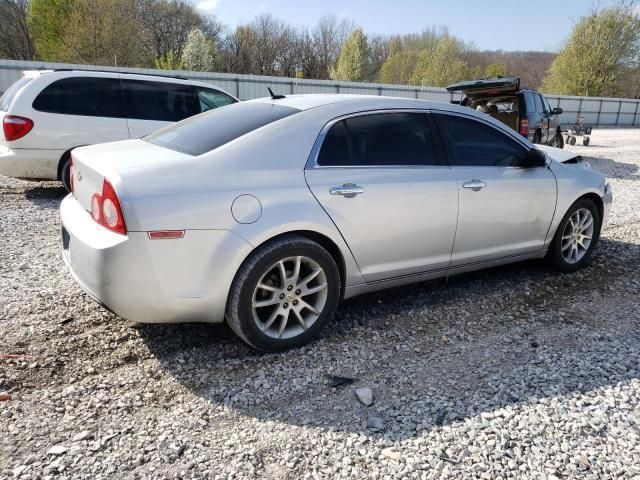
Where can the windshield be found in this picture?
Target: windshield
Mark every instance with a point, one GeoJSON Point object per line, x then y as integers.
{"type": "Point", "coordinates": [210, 130]}
{"type": "Point", "coordinates": [7, 98]}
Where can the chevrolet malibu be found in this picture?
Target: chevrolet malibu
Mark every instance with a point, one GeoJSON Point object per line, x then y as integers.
{"type": "Point", "coordinates": [267, 213]}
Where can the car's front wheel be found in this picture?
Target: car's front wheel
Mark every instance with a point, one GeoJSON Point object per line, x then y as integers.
{"type": "Point", "coordinates": [283, 294]}
{"type": "Point", "coordinates": [576, 236]}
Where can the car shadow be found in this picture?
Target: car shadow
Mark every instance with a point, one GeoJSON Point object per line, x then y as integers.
{"type": "Point", "coordinates": [613, 169]}
{"type": "Point", "coordinates": [47, 196]}
{"type": "Point", "coordinates": [433, 353]}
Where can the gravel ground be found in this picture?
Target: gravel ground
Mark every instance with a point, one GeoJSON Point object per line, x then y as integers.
{"type": "Point", "coordinates": [514, 372]}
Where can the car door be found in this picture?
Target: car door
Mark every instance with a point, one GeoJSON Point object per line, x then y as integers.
{"type": "Point", "coordinates": [552, 119]}
{"type": "Point", "coordinates": [76, 111]}
{"type": "Point", "coordinates": [505, 209]}
{"type": "Point", "coordinates": [542, 119]}
{"type": "Point", "coordinates": [150, 105]}
{"type": "Point", "coordinates": [379, 177]}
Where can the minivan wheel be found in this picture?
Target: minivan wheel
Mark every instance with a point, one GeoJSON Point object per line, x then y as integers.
{"type": "Point", "coordinates": [65, 173]}
{"type": "Point", "coordinates": [283, 294]}
{"type": "Point", "coordinates": [576, 236]}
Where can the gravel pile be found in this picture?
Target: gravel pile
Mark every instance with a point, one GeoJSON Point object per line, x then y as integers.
{"type": "Point", "coordinates": [515, 372]}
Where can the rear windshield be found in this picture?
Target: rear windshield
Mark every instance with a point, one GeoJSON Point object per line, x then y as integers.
{"type": "Point", "coordinates": [7, 98]}
{"type": "Point", "coordinates": [206, 132]}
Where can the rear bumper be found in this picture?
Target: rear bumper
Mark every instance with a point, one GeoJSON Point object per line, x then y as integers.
{"type": "Point", "coordinates": [150, 281]}
{"type": "Point", "coordinates": [30, 163]}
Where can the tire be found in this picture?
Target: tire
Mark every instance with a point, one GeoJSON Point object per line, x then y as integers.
{"type": "Point", "coordinates": [65, 173]}
{"type": "Point", "coordinates": [537, 137]}
{"type": "Point", "coordinates": [586, 141]}
{"type": "Point", "coordinates": [259, 326]}
{"type": "Point", "coordinates": [558, 250]}
{"type": "Point", "coordinates": [558, 141]}
{"type": "Point", "coordinates": [571, 141]}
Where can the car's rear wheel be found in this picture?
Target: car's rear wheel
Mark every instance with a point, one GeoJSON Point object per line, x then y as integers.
{"type": "Point", "coordinates": [537, 137]}
{"type": "Point", "coordinates": [558, 141]}
{"type": "Point", "coordinates": [576, 236]}
{"type": "Point", "coordinates": [284, 294]}
{"type": "Point", "coordinates": [65, 173]}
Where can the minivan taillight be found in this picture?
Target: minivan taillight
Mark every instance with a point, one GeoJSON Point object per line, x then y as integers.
{"type": "Point", "coordinates": [524, 127]}
{"type": "Point", "coordinates": [105, 209]}
{"type": "Point", "coordinates": [16, 127]}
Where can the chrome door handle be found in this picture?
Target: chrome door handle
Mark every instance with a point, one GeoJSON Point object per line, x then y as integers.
{"type": "Point", "coordinates": [474, 184]}
{"type": "Point", "coordinates": [348, 190]}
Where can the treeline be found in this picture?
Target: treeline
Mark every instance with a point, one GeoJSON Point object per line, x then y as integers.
{"type": "Point", "coordinates": [599, 58]}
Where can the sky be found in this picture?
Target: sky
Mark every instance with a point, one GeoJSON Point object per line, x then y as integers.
{"type": "Point", "coordinates": [490, 24]}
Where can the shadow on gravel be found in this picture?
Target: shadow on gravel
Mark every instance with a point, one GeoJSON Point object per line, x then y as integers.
{"type": "Point", "coordinates": [45, 196]}
{"type": "Point", "coordinates": [433, 353]}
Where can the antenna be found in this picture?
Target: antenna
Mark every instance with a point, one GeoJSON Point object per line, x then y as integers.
{"type": "Point", "coordinates": [274, 96]}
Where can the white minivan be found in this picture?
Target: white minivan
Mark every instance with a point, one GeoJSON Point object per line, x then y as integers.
{"type": "Point", "coordinates": [48, 113]}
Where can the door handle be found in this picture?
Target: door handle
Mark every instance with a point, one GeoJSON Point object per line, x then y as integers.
{"type": "Point", "coordinates": [348, 190]}
{"type": "Point", "coordinates": [475, 184]}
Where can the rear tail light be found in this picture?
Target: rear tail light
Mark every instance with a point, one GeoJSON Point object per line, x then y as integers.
{"type": "Point", "coordinates": [524, 127]}
{"type": "Point", "coordinates": [15, 127]}
{"type": "Point", "coordinates": [105, 209]}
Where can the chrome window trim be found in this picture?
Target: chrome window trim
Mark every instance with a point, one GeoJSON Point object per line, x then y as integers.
{"type": "Point", "coordinates": [312, 160]}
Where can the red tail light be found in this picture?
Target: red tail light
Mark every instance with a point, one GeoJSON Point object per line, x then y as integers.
{"type": "Point", "coordinates": [15, 127]}
{"type": "Point", "coordinates": [105, 209]}
{"type": "Point", "coordinates": [524, 127]}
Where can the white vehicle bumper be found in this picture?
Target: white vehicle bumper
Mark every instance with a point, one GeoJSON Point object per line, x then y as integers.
{"type": "Point", "coordinates": [607, 200]}
{"type": "Point", "coordinates": [151, 281]}
{"type": "Point", "coordinates": [30, 163]}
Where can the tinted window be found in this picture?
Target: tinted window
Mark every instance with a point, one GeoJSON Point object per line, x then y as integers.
{"type": "Point", "coordinates": [538, 101]}
{"type": "Point", "coordinates": [335, 147]}
{"type": "Point", "coordinates": [201, 134]}
{"type": "Point", "coordinates": [12, 91]}
{"type": "Point", "coordinates": [380, 139]}
{"type": "Point", "coordinates": [547, 107]}
{"type": "Point", "coordinates": [473, 143]}
{"type": "Point", "coordinates": [167, 102]}
{"type": "Point", "coordinates": [210, 99]}
{"type": "Point", "coordinates": [86, 96]}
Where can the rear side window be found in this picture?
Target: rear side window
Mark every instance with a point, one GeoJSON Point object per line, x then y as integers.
{"type": "Point", "coordinates": [201, 134]}
{"type": "Point", "coordinates": [529, 102]}
{"type": "Point", "coordinates": [85, 96]}
{"type": "Point", "coordinates": [12, 91]}
{"type": "Point", "coordinates": [210, 99]}
{"type": "Point", "coordinates": [385, 139]}
{"type": "Point", "coordinates": [474, 144]}
{"type": "Point", "coordinates": [166, 102]}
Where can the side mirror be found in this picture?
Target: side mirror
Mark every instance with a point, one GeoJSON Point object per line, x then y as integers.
{"type": "Point", "coordinates": [535, 158]}
{"type": "Point", "coordinates": [556, 111]}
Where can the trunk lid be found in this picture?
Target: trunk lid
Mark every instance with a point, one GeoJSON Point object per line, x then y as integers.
{"type": "Point", "coordinates": [94, 163]}
{"type": "Point", "coordinates": [487, 87]}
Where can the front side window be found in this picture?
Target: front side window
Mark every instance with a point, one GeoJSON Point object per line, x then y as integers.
{"type": "Point", "coordinates": [85, 96]}
{"type": "Point", "coordinates": [201, 134]}
{"type": "Point", "coordinates": [545, 103]}
{"type": "Point", "coordinates": [381, 139]}
{"type": "Point", "coordinates": [474, 144]}
{"type": "Point", "coordinates": [538, 99]}
{"type": "Point", "coordinates": [210, 99]}
{"type": "Point", "coordinates": [160, 101]}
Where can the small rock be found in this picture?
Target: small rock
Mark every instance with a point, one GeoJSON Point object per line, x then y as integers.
{"type": "Point", "coordinates": [57, 450]}
{"type": "Point", "coordinates": [391, 453]}
{"type": "Point", "coordinates": [4, 396]}
{"type": "Point", "coordinates": [84, 435]}
{"type": "Point", "coordinates": [365, 395]}
{"type": "Point", "coordinates": [375, 423]}
{"type": "Point", "coordinates": [18, 470]}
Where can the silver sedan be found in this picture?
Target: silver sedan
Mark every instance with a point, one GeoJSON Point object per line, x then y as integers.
{"type": "Point", "coordinates": [266, 213]}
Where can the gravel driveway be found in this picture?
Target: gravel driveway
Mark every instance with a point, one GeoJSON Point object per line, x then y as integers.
{"type": "Point", "coordinates": [514, 372]}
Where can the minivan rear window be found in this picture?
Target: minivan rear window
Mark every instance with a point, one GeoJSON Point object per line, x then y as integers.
{"type": "Point", "coordinates": [210, 130]}
{"type": "Point", "coordinates": [85, 96]}
{"type": "Point", "coordinates": [12, 91]}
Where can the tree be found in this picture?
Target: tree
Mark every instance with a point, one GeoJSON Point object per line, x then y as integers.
{"type": "Point", "coordinates": [239, 50]}
{"type": "Point", "coordinates": [398, 68]}
{"type": "Point", "coordinates": [353, 58]}
{"type": "Point", "coordinates": [16, 41]}
{"type": "Point", "coordinates": [106, 32]}
{"type": "Point", "coordinates": [495, 70]}
{"type": "Point", "coordinates": [48, 22]}
{"type": "Point", "coordinates": [443, 67]}
{"type": "Point", "coordinates": [169, 62]}
{"type": "Point", "coordinates": [602, 47]}
{"type": "Point", "coordinates": [199, 52]}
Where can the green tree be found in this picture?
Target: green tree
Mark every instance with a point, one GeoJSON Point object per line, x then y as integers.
{"type": "Point", "coordinates": [602, 47]}
{"type": "Point", "coordinates": [169, 62]}
{"type": "Point", "coordinates": [399, 67]}
{"type": "Point", "coordinates": [48, 23]}
{"type": "Point", "coordinates": [353, 59]}
{"type": "Point", "coordinates": [443, 67]}
{"type": "Point", "coordinates": [495, 70]}
{"type": "Point", "coordinates": [199, 52]}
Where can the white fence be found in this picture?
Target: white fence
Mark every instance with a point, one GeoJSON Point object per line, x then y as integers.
{"type": "Point", "coordinates": [595, 110]}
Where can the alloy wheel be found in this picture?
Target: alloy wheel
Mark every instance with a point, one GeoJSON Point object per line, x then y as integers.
{"type": "Point", "coordinates": [290, 297]}
{"type": "Point", "coordinates": [577, 235]}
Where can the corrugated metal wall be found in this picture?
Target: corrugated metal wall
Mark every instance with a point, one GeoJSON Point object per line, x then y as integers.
{"type": "Point", "coordinates": [595, 110]}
